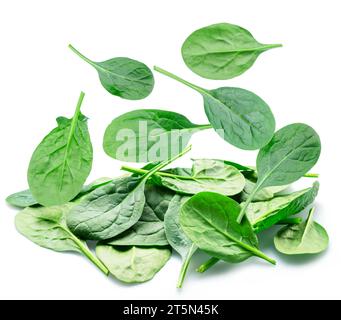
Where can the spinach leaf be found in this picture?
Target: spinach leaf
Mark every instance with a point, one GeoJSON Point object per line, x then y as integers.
{"type": "Point", "coordinates": [46, 227]}
{"type": "Point", "coordinates": [222, 51]}
{"type": "Point", "coordinates": [265, 214]}
{"type": "Point", "coordinates": [291, 153]}
{"type": "Point", "coordinates": [133, 264]}
{"type": "Point", "coordinates": [62, 161]}
{"type": "Point", "coordinates": [263, 194]}
{"type": "Point", "coordinates": [123, 77]}
{"type": "Point", "coordinates": [209, 220]}
{"type": "Point", "coordinates": [113, 208]}
{"type": "Point", "coordinates": [148, 135]}
{"type": "Point", "coordinates": [307, 237]}
{"type": "Point", "coordinates": [206, 175]}
{"type": "Point", "coordinates": [239, 116]}
{"type": "Point", "coordinates": [149, 230]}
{"type": "Point", "coordinates": [177, 238]}
{"type": "Point", "coordinates": [21, 199]}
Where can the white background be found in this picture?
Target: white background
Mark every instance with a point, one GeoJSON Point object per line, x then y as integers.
{"type": "Point", "coordinates": [40, 79]}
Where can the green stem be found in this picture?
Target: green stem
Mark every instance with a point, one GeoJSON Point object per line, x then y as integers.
{"type": "Point", "coordinates": [85, 250]}
{"type": "Point", "coordinates": [81, 55]}
{"type": "Point", "coordinates": [173, 76]}
{"type": "Point", "coordinates": [290, 221]}
{"type": "Point", "coordinates": [79, 104]}
{"type": "Point", "coordinates": [208, 264]}
{"type": "Point", "coordinates": [248, 201]}
{"type": "Point", "coordinates": [148, 174]}
{"type": "Point", "coordinates": [311, 175]}
{"type": "Point", "coordinates": [185, 265]}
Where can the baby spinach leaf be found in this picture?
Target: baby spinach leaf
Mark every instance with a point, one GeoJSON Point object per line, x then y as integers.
{"type": "Point", "coordinates": [113, 208]}
{"type": "Point", "coordinates": [62, 161]}
{"type": "Point", "coordinates": [222, 51]}
{"type": "Point", "coordinates": [176, 237]}
{"type": "Point", "coordinates": [46, 227]}
{"type": "Point", "coordinates": [149, 230]}
{"type": "Point", "coordinates": [206, 175]}
{"type": "Point", "coordinates": [307, 237]}
{"type": "Point", "coordinates": [291, 153]}
{"type": "Point", "coordinates": [133, 264]}
{"type": "Point", "coordinates": [239, 116]}
{"type": "Point", "coordinates": [22, 199]}
{"type": "Point", "coordinates": [263, 194]}
{"type": "Point", "coordinates": [148, 135]}
{"type": "Point", "coordinates": [123, 77]}
{"type": "Point", "coordinates": [209, 220]}
{"type": "Point", "coordinates": [265, 214]}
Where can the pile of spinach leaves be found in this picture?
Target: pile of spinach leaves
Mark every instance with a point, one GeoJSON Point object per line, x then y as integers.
{"type": "Point", "coordinates": [219, 207]}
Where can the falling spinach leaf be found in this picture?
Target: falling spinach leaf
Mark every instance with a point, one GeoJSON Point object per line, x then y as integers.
{"type": "Point", "coordinates": [239, 116]}
{"type": "Point", "coordinates": [148, 135]}
{"type": "Point", "coordinates": [206, 175]}
{"type": "Point", "coordinates": [291, 153]}
{"type": "Point", "coordinates": [264, 214]}
{"type": "Point", "coordinates": [133, 264]}
{"type": "Point", "coordinates": [46, 227]}
{"type": "Point", "coordinates": [209, 220]}
{"type": "Point", "coordinates": [177, 238]}
{"type": "Point", "coordinates": [149, 230]}
{"type": "Point", "coordinates": [307, 237]}
{"type": "Point", "coordinates": [222, 51]}
{"type": "Point", "coordinates": [113, 208]}
{"type": "Point", "coordinates": [123, 77]}
{"type": "Point", "coordinates": [62, 162]}
{"type": "Point", "coordinates": [22, 199]}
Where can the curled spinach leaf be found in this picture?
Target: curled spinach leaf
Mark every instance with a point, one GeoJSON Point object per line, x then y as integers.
{"type": "Point", "coordinates": [46, 227]}
{"type": "Point", "coordinates": [239, 116]}
{"type": "Point", "coordinates": [307, 237]}
{"type": "Point", "coordinates": [222, 51]}
{"type": "Point", "coordinates": [265, 214]}
{"type": "Point", "coordinates": [176, 237]}
{"type": "Point", "coordinates": [123, 77]}
{"type": "Point", "coordinates": [291, 153]}
{"type": "Point", "coordinates": [22, 199]}
{"type": "Point", "coordinates": [133, 264]}
{"type": "Point", "coordinates": [62, 162]}
{"type": "Point", "coordinates": [148, 135]}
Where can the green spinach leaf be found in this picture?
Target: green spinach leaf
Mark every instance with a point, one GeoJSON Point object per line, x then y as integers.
{"type": "Point", "coordinates": [22, 199]}
{"type": "Point", "coordinates": [62, 161]}
{"type": "Point", "coordinates": [209, 220]}
{"type": "Point", "coordinates": [149, 230]}
{"type": "Point", "coordinates": [291, 153]}
{"type": "Point", "coordinates": [265, 214]}
{"type": "Point", "coordinates": [176, 237]}
{"type": "Point", "coordinates": [307, 237]}
{"type": "Point", "coordinates": [239, 116]}
{"type": "Point", "coordinates": [206, 175]}
{"type": "Point", "coordinates": [113, 208]}
{"type": "Point", "coordinates": [148, 135]}
{"type": "Point", "coordinates": [46, 227]}
{"type": "Point", "coordinates": [222, 51]}
{"type": "Point", "coordinates": [133, 264]}
{"type": "Point", "coordinates": [123, 77]}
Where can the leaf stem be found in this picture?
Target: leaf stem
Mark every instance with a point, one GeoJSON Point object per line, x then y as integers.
{"type": "Point", "coordinates": [173, 76]}
{"type": "Point", "coordinates": [86, 251]}
{"type": "Point", "coordinates": [81, 55]}
{"type": "Point", "coordinates": [208, 264]}
{"type": "Point", "coordinates": [311, 175]}
{"type": "Point", "coordinates": [248, 201]}
{"type": "Point", "coordinates": [290, 221]}
{"type": "Point", "coordinates": [185, 265]}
